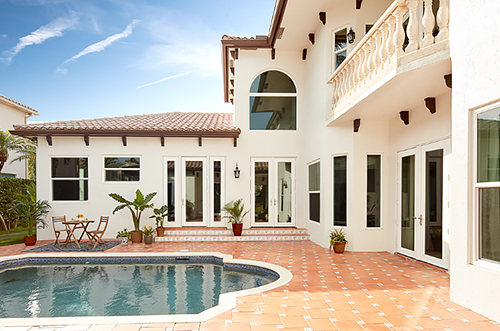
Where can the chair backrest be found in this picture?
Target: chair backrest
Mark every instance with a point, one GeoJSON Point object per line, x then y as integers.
{"type": "Point", "coordinates": [104, 223]}
{"type": "Point", "coordinates": [57, 222]}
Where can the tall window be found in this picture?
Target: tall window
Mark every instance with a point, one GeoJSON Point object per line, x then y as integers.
{"type": "Point", "coordinates": [314, 191]}
{"type": "Point", "coordinates": [69, 177]}
{"type": "Point", "coordinates": [339, 47]}
{"type": "Point", "coordinates": [273, 102]}
{"type": "Point", "coordinates": [340, 191]}
{"type": "Point", "coordinates": [122, 169]}
{"type": "Point", "coordinates": [373, 191]}
{"type": "Point", "coordinates": [488, 183]}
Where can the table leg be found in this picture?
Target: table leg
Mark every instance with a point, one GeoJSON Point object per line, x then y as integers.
{"type": "Point", "coordinates": [72, 234]}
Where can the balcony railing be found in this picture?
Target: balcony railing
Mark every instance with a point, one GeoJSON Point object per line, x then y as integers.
{"type": "Point", "coordinates": [377, 54]}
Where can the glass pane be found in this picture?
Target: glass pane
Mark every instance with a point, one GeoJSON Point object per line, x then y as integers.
{"type": "Point", "coordinates": [434, 203]}
{"type": "Point", "coordinates": [171, 191]}
{"type": "Point", "coordinates": [273, 113]}
{"type": "Point", "coordinates": [272, 82]}
{"type": "Point", "coordinates": [488, 146]}
{"type": "Point", "coordinates": [122, 162]}
{"type": "Point", "coordinates": [261, 192]}
{"type": "Point", "coordinates": [408, 202]}
{"type": "Point", "coordinates": [284, 192]}
{"type": "Point", "coordinates": [70, 190]}
{"type": "Point", "coordinates": [69, 167]}
{"type": "Point", "coordinates": [340, 191]}
{"type": "Point", "coordinates": [340, 58]}
{"type": "Point", "coordinates": [490, 226]}
{"type": "Point", "coordinates": [122, 175]}
{"type": "Point", "coordinates": [216, 191]}
{"type": "Point", "coordinates": [314, 177]}
{"type": "Point", "coordinates": [368, 27]}
{"type": "Point", "coordinates": [194, 191]}
{"type": "Point", "coordinates": [373, 191]}
{"type": "Point", "coordinates": [340, 39]}
{"type": "Point", "coordinates": [314, 206]}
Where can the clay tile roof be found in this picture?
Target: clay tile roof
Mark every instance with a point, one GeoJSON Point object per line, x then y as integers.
{"type": "Point", "coordinates": [163, 124]}
{"type": "Point", "coordinates": [19, 105]}
{"type": "Point", "coordinates": [226, 37]}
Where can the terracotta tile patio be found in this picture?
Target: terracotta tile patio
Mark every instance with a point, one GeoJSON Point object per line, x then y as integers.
{"type": "Point", "coordinates": [351, 291]}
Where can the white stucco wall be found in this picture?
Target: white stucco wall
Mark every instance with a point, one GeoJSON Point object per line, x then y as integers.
{"type": "Point", "coordinates": [475, 83]}
{"type": "Point", "coordinates": [8, 117]}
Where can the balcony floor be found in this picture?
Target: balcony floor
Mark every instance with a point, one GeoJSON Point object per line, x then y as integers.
{"type": "Point", "coordinates": [351, 291]}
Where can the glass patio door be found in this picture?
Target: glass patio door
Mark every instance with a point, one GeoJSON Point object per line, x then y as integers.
{"type": "Point", "coordinates": [422, 209]}
{"type": "Point", "coordinates": [194, 200]}
{"type": "Point", "coordinates": [273, 192]}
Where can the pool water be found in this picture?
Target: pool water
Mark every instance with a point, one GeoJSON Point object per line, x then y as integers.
{"type": "Point", "coordinates": [120, 290]}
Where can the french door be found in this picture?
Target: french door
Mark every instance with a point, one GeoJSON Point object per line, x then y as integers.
{"type": "Point", "coordinates": [273, 192]}
{"type": "Point", "coordinates": [422, 203]}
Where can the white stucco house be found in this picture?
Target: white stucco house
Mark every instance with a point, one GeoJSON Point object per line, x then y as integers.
{"type": "Point", "coordinates": [13, 112]}
{"type": "Point", "coordinates": [346, 116]}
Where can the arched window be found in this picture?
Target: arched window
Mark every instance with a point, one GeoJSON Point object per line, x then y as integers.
{"type": "Point", "coordinates": [273, 102]}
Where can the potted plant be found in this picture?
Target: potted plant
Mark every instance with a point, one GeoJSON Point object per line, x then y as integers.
{"type": "Point", "coordinates": [235, 215]}
{"type": "Point", "coordinates": [124, 237]}
{"type": "Point", "coordinates": [136, 207]}
{"type": "Point", "coordinates": [148, 234]}
{"type": "Point", "coordinates": [159, 216]}
{"type": "Point", "coordinates": [337, 240]}
{"type": "Point", "coordinates": [31, 212]}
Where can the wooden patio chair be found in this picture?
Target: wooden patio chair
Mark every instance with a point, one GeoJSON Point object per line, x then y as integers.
{"type": "Point", "coordinates": [96, 235]}
{"type": "Point", "coordinates": [59, 228]}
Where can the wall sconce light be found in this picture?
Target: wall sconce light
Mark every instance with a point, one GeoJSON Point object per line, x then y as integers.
{"type": "Point", "coordinates": [236, 171]}
{"type": "Point", "coordinates": [351, 35]}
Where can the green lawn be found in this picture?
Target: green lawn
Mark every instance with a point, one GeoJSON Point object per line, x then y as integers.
{"type": "Point", "coordinates": [14, 236]}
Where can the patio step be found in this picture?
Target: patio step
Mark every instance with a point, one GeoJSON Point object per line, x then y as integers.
{"type": "Point", "coordinates": [223, 234]}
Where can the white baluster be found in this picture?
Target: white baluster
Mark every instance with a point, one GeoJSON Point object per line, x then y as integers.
{"type": "Point", "coordinates": [399, 35]}
{"type": "Point", "coordinates": [443, 19]}
{"type": "Point", "coordinates": [361, 54]}
{"type": "Point", "coordinates": [390, 37]}
{"type": "Point", "coordinates": [427, 24]}
{"type": "Point", "coordinates": [366, 61]}
{"type": "Point", "coordinates": [382, 54]}
{"type": "Point", "coordinates": [334, 92]}
{"type": "Point", "coordinates": [412, 28]}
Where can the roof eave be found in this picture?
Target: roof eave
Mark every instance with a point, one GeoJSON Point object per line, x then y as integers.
{"type": "Point", "coordinates": [127, 133]}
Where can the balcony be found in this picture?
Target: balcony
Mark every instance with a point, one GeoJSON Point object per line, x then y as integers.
{"type": "Point", "coordinates": [401, 61]}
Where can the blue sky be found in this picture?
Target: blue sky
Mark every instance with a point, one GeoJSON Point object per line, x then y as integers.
{"type": "Point", "coordinates": [74, 59]}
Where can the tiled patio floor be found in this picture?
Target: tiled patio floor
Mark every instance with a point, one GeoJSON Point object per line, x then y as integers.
{"type": "Point", "coordinates": [351, 291]}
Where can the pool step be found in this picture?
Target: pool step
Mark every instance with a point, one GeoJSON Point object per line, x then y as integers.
{"type": "Point", "coordinates": [223, 234]}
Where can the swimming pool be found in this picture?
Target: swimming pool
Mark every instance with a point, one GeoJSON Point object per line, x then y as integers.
{"type": "Point", "coordinates": [151, 286]}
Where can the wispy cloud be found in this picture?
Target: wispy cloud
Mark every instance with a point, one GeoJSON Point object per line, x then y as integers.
{"type": "Point", "coordinates": [3, 35]}
{"type": "Point", "coordinates": [54, 29]}
{"type": "Point", "coordinates": [101, 45]}
{"type": "Point", "coordinates": [164, 79]}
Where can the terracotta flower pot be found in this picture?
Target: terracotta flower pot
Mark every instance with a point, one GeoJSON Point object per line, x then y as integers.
{"type": "Point", "coordinates": [237, 229]}
{"type": "Point", "coordinates": [30, 241]}
{"type": "Point", "coordinates": [136, 237]}
{"type": "Point", "coordinates": [339, 246]}
{"type": "Point", "coordinates": [160, 232]}
{"type": "Point", "coordinates": [148, 240]}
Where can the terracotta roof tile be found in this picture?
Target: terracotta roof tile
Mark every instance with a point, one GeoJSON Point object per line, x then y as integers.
{"type": "Point", "coordinates": [17, 103]}
{"type": "Point", "coordinates": [175, 122]}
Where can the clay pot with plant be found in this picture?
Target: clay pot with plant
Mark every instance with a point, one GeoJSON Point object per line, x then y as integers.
{"type": "Point", "coordinates": [235, 214]}
{"type": "Point", "coordinates": [159, 216]}
{"type": "Point", "coordinates": [148, 234]}
{"type": "Point", "coordinates": [136, 207]}
{"type": "Point", "coordinates": [338, 240]}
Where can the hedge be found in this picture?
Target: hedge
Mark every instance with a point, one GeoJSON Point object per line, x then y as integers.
{"type": "Point", "coordinates": [10, 189]}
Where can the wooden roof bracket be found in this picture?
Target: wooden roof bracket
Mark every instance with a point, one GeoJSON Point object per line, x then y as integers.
{"type": "Point", "coordinates": [430, 103]}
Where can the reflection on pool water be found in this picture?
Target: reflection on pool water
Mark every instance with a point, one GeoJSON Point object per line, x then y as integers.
{"type": "Point", "coordinates": [121, 289]}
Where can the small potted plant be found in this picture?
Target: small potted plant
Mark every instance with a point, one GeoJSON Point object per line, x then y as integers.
{"type": "Point", "coordinates": [337, 240]}
{"type": "Point", "coordinates": [136, 207]}
{"type": "Point", "coordinates": [148, 234]}
{"type": "Point", "coordinates": [159, 216]}
{"type": "Point", "coordinates": [235, 215]}
{"type": "Point", "coordinates": [124, 237]}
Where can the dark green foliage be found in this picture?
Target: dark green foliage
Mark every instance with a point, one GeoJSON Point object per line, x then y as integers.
{"type": "Point", "coordinates": [10, 189]}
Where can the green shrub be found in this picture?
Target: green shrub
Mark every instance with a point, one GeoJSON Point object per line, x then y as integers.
{"type": "Point", "coordinates": [10, 189]}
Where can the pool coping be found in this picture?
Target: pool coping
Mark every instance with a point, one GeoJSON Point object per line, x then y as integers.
{"type": "Point", "coordinates": [227, 301]}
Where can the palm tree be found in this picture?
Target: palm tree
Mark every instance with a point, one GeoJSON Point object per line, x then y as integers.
{"type": "Point", "coordinates": [26, 150]}
{"type": "Point", "coordinates": [8, 143]}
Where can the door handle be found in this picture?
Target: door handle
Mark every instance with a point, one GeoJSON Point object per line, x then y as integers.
{"type": "Point", "coordinates": [419, 218]}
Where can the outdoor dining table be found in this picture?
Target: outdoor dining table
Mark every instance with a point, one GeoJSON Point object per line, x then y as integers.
{"type": "Point", "coordinates": [73, 225]}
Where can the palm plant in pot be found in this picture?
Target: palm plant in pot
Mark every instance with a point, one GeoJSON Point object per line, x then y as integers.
{"type": "Point", "coordinates": [136, 207]}
{"type": "Point", "coordinates": [148, 234]}
{"type": "Point", "coordinates": [338, 240]}
{"type": "Point", "coordinates": [32, 213]}
{"type": "Point", "coordinates": [235, 214]}
{"type": "Point", "coordinates": [159, 216]}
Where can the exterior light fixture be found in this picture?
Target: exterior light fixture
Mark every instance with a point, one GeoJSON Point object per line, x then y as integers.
{"type": "Point", "coordinates": [351, 35]}
{"type": "Point", "coordinates": [236, 171]}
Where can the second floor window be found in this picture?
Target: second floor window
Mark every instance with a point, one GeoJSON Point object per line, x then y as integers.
{"type": "Point", "coordinates": [273, 102]}
{"type": "Point", "coordinates": [339, 47]}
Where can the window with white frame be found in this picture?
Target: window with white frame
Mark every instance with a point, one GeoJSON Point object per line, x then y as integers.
{"type": "Point", "coordinates": [340, 190]}
{"type": "Point", "coordinates": [339, 47]}
{"type": "Point", "coordinates": [122, 169]}
{"type": "Point", "coordinates": [488, 183]}
{"type": "Point", "coordinates": [69, 176]}
{"type": "Point", "coordinates": [373, 172]}
{"type": "Point", "coordinates": [314, 192]}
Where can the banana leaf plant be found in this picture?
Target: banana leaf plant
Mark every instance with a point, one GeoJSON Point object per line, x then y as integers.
{"type": "Point", "coordinates": [159, 215]}
{"type": "Point", "coordinates": [136, 207]}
